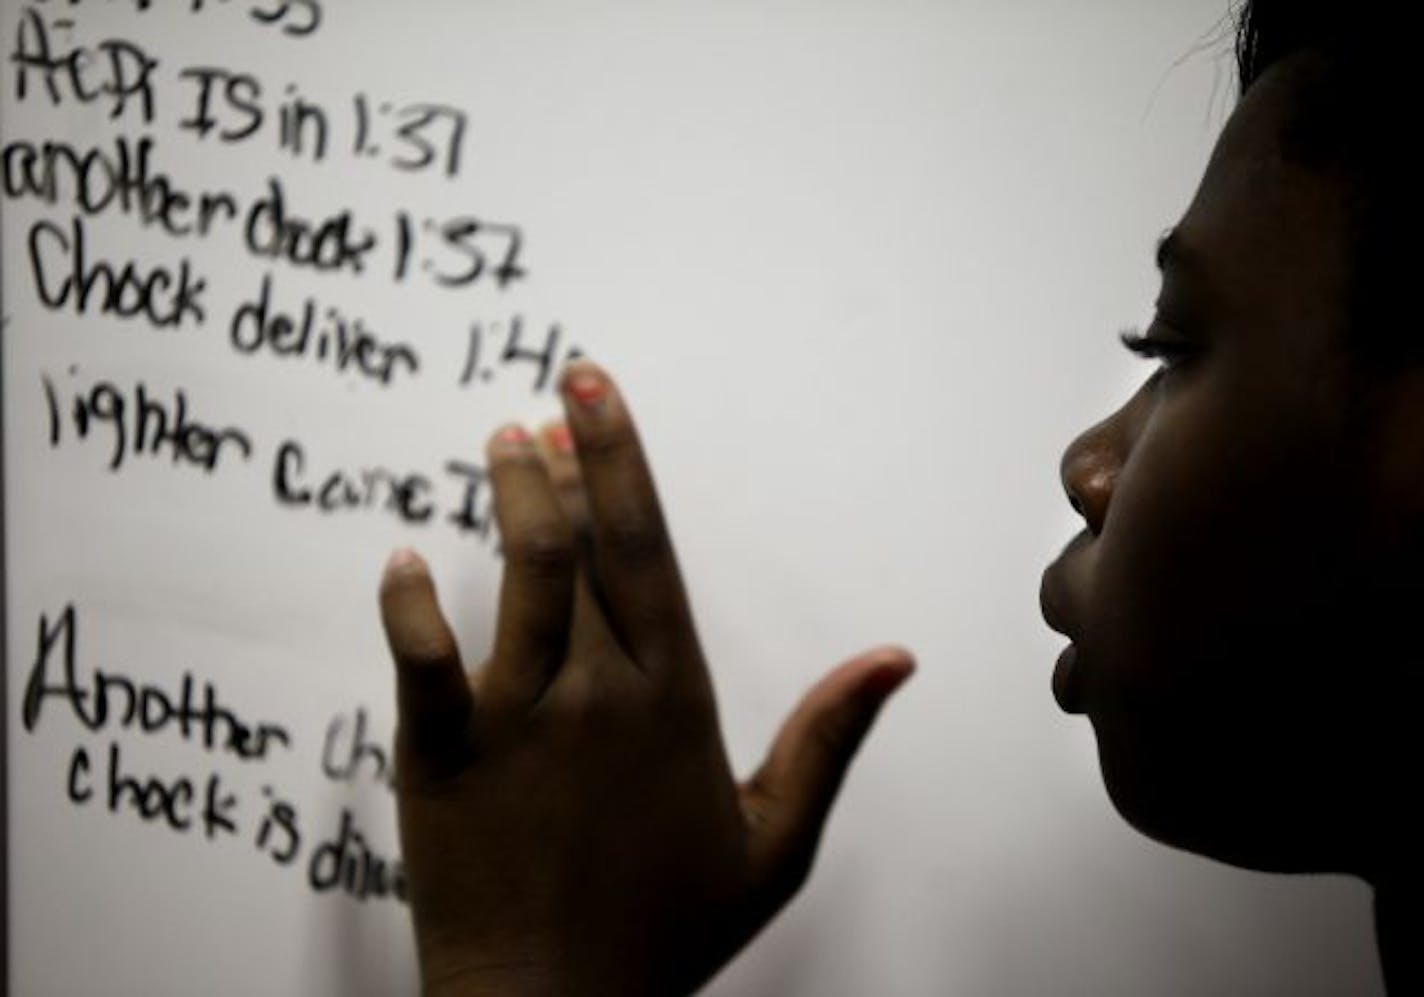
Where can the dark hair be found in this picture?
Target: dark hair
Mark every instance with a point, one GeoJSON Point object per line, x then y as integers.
{"type": "Point", "coordinates": [1346, 122]}
{"type": "Point", "coordinates": [1330, 126]}
{"type": "Point", "coordinates": [1269, 30]}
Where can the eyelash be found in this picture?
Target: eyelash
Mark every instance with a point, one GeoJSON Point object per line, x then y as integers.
{"type": "Point", "coordinates": [1169, 352]}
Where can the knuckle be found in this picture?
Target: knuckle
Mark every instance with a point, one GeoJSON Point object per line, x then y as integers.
{"type": "Point", "coordinates": [633, 535]}
{"type": "Point", "coordinates": [605, 445]}
{"type": "Point", "coordinates": [429, 760]}
{"type": "Point", "coordinates": [831, 738]}
{"type": "Point", "coordinates": [543, 549]}
{"type": "Point", "coordinates": [420, 653]}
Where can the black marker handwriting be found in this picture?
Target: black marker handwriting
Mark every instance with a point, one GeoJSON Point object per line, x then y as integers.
{"type": "Point", "coordinates": [112, 700]}
{"type": "Point", "coordinates": [67, 276]}
{"type": "Point", "coordinates": [141, 424]}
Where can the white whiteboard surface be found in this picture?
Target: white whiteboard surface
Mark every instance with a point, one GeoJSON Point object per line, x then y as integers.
{"type": "Point", "coordinates": [859, 266]}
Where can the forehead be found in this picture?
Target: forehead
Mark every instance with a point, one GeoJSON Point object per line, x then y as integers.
{"type": "Point", "coordinates": [1270, 234]}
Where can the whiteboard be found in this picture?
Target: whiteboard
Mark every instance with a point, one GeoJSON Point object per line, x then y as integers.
{"type": "Point", "coordinates": [858, 265]}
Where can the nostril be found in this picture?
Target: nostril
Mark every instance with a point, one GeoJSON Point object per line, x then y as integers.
{"type": "Point", "coordinates": [1077, 506]}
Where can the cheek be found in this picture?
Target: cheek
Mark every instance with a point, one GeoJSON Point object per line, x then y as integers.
{"type": "Point", "coordinates": [1216, 600]}
{"type": "Point", "coordinates": [1210, 653]}
{"type": "Point", "coordinates": [1210, 552]}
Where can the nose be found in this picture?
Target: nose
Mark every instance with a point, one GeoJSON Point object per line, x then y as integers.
{"type": "Point", "coordinates": [1092, 463]}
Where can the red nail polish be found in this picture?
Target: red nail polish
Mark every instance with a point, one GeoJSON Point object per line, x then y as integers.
{"type": "Point", "coordinates": [514, 435]}
{"type": "Point", "coordinates": [560, 438]}
{"type": "Point", "coordinates": [587, 388]}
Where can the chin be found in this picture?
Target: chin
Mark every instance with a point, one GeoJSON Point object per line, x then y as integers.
{"type": "Point", "coordinates": [1196, 808]}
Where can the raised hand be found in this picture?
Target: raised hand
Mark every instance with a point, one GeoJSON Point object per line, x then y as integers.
{"type": "Point", "coordinates": [569, 820]}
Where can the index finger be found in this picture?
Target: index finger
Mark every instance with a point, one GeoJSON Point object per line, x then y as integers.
{"type": "Point", "coordinates": [636, 568]}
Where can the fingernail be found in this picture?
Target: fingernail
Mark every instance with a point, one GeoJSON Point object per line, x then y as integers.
{"type": "Point", "coordinates": [403, 558]}
{"type": "Point", "coordinates": [513, 436]}
{"type": "Point", "coordinates": [560, 438]}
{"type": "Point", "coordinates": [587, 386]}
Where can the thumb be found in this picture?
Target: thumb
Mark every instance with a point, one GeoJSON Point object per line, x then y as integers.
{"type": "Point", "coordinates": [788, 799]}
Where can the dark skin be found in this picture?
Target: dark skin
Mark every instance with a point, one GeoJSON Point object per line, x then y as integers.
{"type": "Point", "coordinates": [568, 816]}
{"type": "Point", "coordinates": [1238, 598]}
{"type": "Point", "coordinates": [1239, 603]}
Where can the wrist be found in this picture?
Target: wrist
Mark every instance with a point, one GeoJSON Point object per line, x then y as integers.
{"type": "Point", "coordinates": [494, 979]}
{"type": "Point", "coordinates": [515, 971]}
{"type": "Point", "coordinates": [503, 976]}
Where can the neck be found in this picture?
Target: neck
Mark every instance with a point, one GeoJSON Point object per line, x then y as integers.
{"type": "Point", "coordinates": [1396, 907]}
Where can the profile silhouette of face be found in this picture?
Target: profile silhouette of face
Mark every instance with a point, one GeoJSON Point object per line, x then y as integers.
{"type": "Point", "coordinates": [1239, 600]}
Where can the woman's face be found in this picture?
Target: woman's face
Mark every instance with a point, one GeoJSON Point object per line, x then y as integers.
{"type": "Point", "coordinates": [1233, 598]}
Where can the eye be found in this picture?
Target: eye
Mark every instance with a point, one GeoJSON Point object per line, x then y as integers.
{"type": "Point", "coordinates": [1161, 342]}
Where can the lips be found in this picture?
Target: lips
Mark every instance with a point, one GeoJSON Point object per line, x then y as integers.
{"type": "Point", "coordinates": [1050, 598]}
{"type": "Point", "coordinates": [1066, 685]}
{"type": "Point", "coordinates": [1066, 679]}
